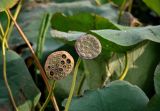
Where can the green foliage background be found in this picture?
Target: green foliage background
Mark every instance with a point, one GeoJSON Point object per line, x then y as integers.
{"type": "Point", "coordinates": [101, 90]}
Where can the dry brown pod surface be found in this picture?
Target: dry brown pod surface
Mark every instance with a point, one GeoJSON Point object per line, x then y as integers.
{"type": "Point", "coordinates": [88, 46]}
{"type": "Point", "coordinates": [58, 65]}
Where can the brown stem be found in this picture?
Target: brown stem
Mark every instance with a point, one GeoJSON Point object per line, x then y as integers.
{"type": "Point", "coordinates": [36, 60]}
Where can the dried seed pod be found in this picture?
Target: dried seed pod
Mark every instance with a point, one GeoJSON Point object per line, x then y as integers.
{"type": "Point", "coordinates": [88, 46]}
{"type": "Point", "coordinates": [58, 65]}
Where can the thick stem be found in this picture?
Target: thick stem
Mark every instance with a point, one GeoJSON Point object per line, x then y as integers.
{"type": "Point", "coordinates": [36, 60]}
{"type": "Point", "coordinates": [48, 97]}
{"type": "Point", "coordinates": [73, 85]}
{"type": "Point", "coordinates": [124, 73]}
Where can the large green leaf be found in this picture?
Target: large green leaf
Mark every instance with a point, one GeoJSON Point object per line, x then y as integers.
{"type": "Point", "coordinates": [154, 103]}
{"type": "Point", "coordinates": [117, 40]}
{"type": "Point", "coordinates": [114, 40]}
{"type": "Point", "coordinates": [120, 40]}
{"type": "Point", "coordinates": [25, 92]}
{"type": "Point", "coordinates": [6, 4]}
{"type": "Point", "coordinates": [154, 5]}
{"type": "Point", "coordinates": [94, 72]}
{"type": "Point", "coordinates": [80, 22]}
{"type": "Point", "coordinates": [118, 2]}
{"type": "Point", "coordinates": [142, 61]}
{"type": "Point", "coordinates": [137, 56]}
{"type": "Point", "coordinates": [30, 19]}
{"type": "Point", "coordinates": [157, 79]}
{"type": "Point", "coordinates": [116, 96]}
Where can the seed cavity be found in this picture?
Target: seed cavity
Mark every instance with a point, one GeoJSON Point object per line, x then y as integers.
{"type": "Point", "coordinates": [68, 61]}
{"type": "Point", "coordinates": [62, 62]}
{"type": "Point", "coordinates": [60, 69]}
{"type": "Point", "coordinates": [51, 73]}
{"type": "Point", "coordinates": [58, 65]}
{"type": "Point", "coordinates": [64, 66]}
{"type": "Point", "coordinates": [63, 56]}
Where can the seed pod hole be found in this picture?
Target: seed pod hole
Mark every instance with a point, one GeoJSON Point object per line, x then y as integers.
{"type": "Point", "coordinates": [68, 61]}
{"type": "Point", "coordinates": [62, 62]}
{"type": "Point", "coordinates": [63, 56]}
{"type": "Point", "coordinates": [57, 65]}
{"type": "Point", "coordinates": [64, 66]}
{"type": "Point", "coordinates": [58, 68]}
{"type": "Point", "coordinates": [69, 66]}
{"type": "Point", "coordinates": [51, 73]}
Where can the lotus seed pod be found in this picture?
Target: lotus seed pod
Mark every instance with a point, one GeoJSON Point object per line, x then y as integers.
{"type": "Point", "coordinates": [58, 65]}
{"type": "Point", "coordinates": [88, 46]}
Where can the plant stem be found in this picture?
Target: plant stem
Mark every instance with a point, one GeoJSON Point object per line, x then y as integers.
{"type": "Point", "coordinates": [36, 60]}
{"type": "Point", "coordinates": [5, 76]}
{"type": "Point", "coordinates": [130, 5]}
{"type": "Point", "coordinates": [8, 25]}
{"type": "Point", "coordinates": [86, 72]}
{"type": "Point", "coordinates": [4, 63]}
{"type": "Point", "coordinates": [15, 17]}
{"type": "Point", "coordinates": [98, 3]}
{"type": "Point", "coordinates": [41, 39]}
{"type": "Point", "coordinates": [73, 85]}
{"type": "Point", "coordinates": [121, 10]}
{"type": "Point", "coordinates": [2, 31]}
{"type": "Point", "coordinates": [48, 97]}
{"type": "Point", "coordinates": [124, 73]}
{"type": "Point", "coordinates": [80, 84]}
{"type": "Point", "coordinates": [42, 34]}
